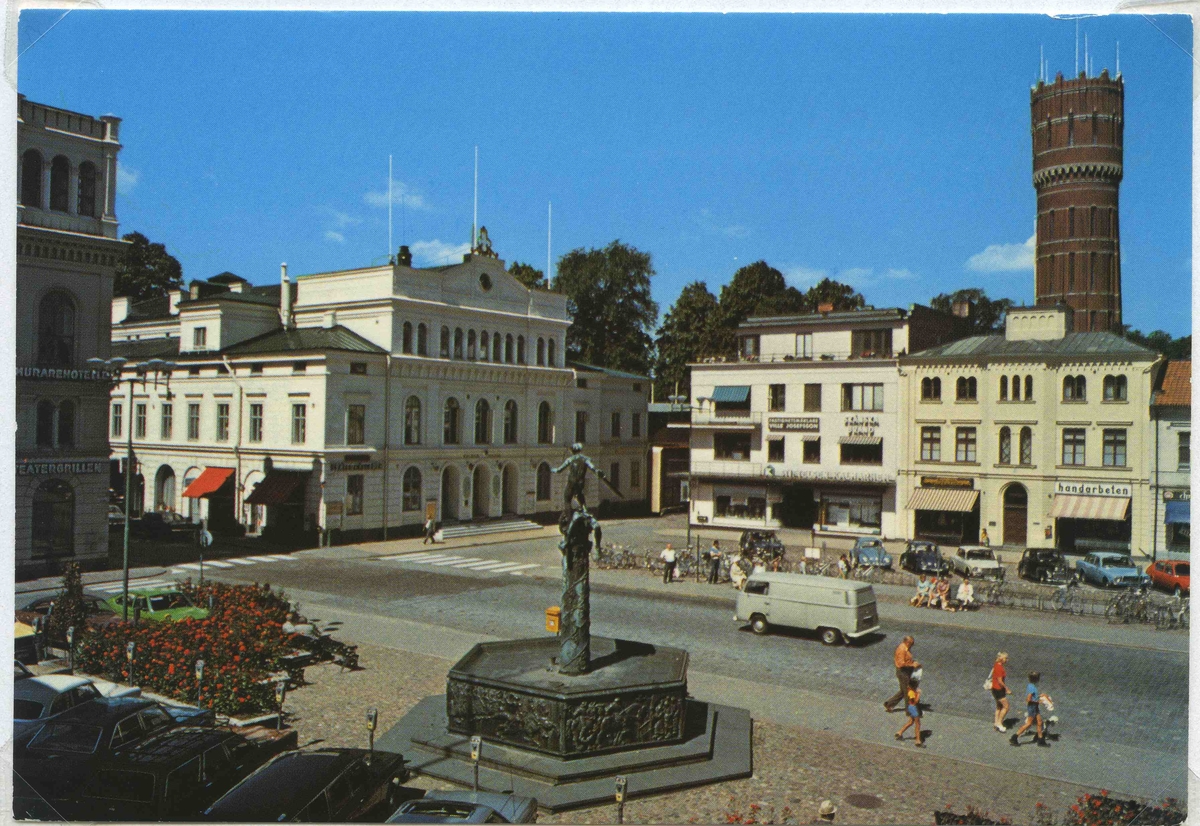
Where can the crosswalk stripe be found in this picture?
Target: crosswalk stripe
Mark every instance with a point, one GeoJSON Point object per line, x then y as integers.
{"type": "Point", "coordinates": [218, 564]}
{"type": "Point", "coordinates": [513, 566]}
{"type": "Point", "coordinates": [412, 557]}
{"type": "Point", "coordinates": [471, 560]}
{"type": "Point", "coordinates": [284, 557]}
{"type": "Point", "coordinates": [240, 561]}
{"type": "Point", "coordinates": [449, 561]}
{"type": "Point", "coordinates": [262, 559]}
{"type": "Point", "coordinates": [431, 559]}
{"type": "Point", "coordinates": [478, 565]}
{"type": "Point", "coordinates": [190, 565]}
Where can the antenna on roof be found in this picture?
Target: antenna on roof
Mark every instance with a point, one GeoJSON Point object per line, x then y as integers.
{"type": "Point", "coordinates": [1077, 47]}
{"type": "Point", "coordinates": [1087, 61]}
{"type": "Point", "coordinates": [1118, 57]}
{"type": "Point", "coordinates": [1042, 63]}
{"type": "Point", "coordinates": [475, 214]}
{"type": "Point", "coordinates": [549, 226]}
{"type": "Point", "coordinates": [389, 249]}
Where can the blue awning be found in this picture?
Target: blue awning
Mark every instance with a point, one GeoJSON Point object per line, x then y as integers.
{"type": "Point", "coordinates": [1179, 513]}
{"type": "Point", "coordinates": [738, 395]}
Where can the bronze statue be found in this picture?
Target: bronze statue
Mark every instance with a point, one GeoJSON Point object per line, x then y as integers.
{"type": "Point", "coordinates": [577, 465]}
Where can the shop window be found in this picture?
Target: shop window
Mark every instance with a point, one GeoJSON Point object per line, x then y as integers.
{"type": "Point", "coordinates": [299, 423]}
{"type": "Point", "coordinates": [354, 494]}
{"type": "Point", "coordinates": [256, 423]}
{"type": "Point", "coordinates": [775, 450]}
{"type": "Point", "coordinates": [723, 506]}
{"type": "Point", "coordinates": [1185, 451]}
{"type": "Point", "coordinates": [412, 421]}
{"type": "Point", "coordinates": [812, 452]}
{"type": "Point", "coordinates": [804, 345]}
{"type": "Point", "coordinates": [871, 343]}
{"type": "Point", "coordinates": [56, 330]}
{"type": "Point", "coordinates": [1026, 447]}
{"type": "Point", "coordinates": [1116, 388]}
{"type": "Point", "coordinates": [776, 397]}
{"type": "Point", "coordinates": [1004, 388]}
{"type": "Point", "coordinates": [451, 422]}
{"type": "Point", "coordinates": [966, 389]}
{"type": "Point", "coordinates": [543, 482]}
{"type": "Point", "coordinates": [545, 424]}
{"type": "Point", "coordinates": [581, 423]}
{"type": "Point", "coordinates": [483, 422]}
{"type": "Point", "coordinates": [356, 424]}
{"type": "Point", "coordinates": [411, 500]}
{"type": "Point", "coordinates": [1074, 445]}
{"type": "Point", "coordinates": [510, 422]}
{"type": "Point", "coordinates": [732, 446]}
{"type": "Point", "coordinates": [931, 389]}
{"type": "Point", "coordinates": [862, 454]}
{"type": "Point", "coordinates": [1074, 389]}
{"type": "Point", "coordinates": [1005, 446]}
{"type": "Point", "coordinates": [222, 432]}
{"type": "Point", "coordinates": [858, 512]}
{"type": "Point", "coordinates": [964, 444]}
{"type": "Point", "coordinates": [931, 444]}
{"type": "Point", "coordinates": [812, 398]}
{"type": "Point", "coordinates": [1114, 447]}
{"type": "Point", "coordinates": [862, 397]}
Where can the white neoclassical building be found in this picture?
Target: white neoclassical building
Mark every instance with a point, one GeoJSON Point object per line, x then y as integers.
{"type": "Point", "coordinates": [365, 398]}
{"type": "Point", "coordinates": [1171, 418]}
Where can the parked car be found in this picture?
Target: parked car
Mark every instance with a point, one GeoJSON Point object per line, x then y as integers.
{"type": "Point", "coordinates": [20, 672]}
{"type": "Point", "coordinates": [116, 517]}
{"type": "Point", "coordinates": [319, 785]}
{"type": "Point", "coordinates": [977, 561]}
{"type": "Point", "coordinates": [1044, 565]}
{"type": "Point", "coordinates": [1108, 568]}
{"type": "Point", "coordinates": [38, 699]}
{"type": "Point", "coordinates": [25, 643]}
{"type": "Point", "coordinates": [452, 806]}
{"type": "Point", "coordinates": [764, 544]}
{"type": "Point", "coordinates": [834, 608]}
{"type": "Point", "coordinates": [164, 525]}
{"type": "Point", "coordinates": [923, 558]}
{"type": "Point", "coordinates": [1171, 575]}
{"type": "Point", "coordinates": [176, 774]}
{"type": "Point", "coordinates": [869, 552]}
{"type": "Point", "coordinates": [99, 614]}
{"type": "Point", "coordinates": [158, 604]}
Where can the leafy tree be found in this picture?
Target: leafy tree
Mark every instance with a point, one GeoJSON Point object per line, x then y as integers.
{"type": "Point", "coordinates": [532, 278]}
{"type": "Point", "coordinates": [1176, 349]}
{"type": "Point", "coordinates": [146, 270]}
{"type": "Point", "coordinates": [608, 297]}
{"type": "Point", "coordinates": [69, 609]}
{"type": "Point", "coordinates": [756, 289]}
{"type": "Point", "coordinates": [686, 335]}
{"type": "Point", "coordinates": [827, 291]}
{"type": "Point", "coordinates": [988, 315]}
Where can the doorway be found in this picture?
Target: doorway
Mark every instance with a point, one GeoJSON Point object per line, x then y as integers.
{"type": "Point", "coordinates": [481, 501]}
{"type": "Point", "coordinates": [509, 479]}
{"type": "Point", "coordinates": [1016, 512]}
{"type": "Point", "coordinates": [450, 493]}
{"type": "Point", "coordinates": [164, 489]}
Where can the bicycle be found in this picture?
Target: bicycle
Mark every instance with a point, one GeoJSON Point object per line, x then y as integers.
{"type": "Point", "coordinates": [1067, 597]}
{"type": "Point", "coordinates": [995, 593]}
{"type": "Point", "coordinates": [1172, 614]}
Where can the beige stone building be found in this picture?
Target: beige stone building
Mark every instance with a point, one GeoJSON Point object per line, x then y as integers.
{"type": "Point", "coordinates": [1039, 436]}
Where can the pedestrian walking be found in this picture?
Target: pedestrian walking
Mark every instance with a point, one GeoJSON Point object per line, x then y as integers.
{"type": "Point", "coordinates": [668, 557]}
{"type": "Point", "coordinates": [430, 530]}
{"type": "Point", "coordinates": [905, 665]}
{"type": "Point", "coordinates": [983, 538]}
{"type": "Point", "coordinates": [912, 710]}
{"type": "Point", "coordinates": [1033, 712]}
{"type": "Point", "coordinates": [1000, 690]}
{"type": "Point", "coordinates": [714, 562]}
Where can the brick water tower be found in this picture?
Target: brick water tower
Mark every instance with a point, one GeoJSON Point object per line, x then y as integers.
{"type": "Point", "coordinates": [1077, 128]}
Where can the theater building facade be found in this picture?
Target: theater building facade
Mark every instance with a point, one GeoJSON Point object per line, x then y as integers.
{"type": "Point", "coordinates": [1039, 437]}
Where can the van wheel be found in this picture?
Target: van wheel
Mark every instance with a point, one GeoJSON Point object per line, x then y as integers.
{"type": "Point", "coordinates": [830, 636]}
{"type": "Point", "coordinates": [759, 624]}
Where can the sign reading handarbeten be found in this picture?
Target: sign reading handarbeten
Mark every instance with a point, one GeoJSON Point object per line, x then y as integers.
{"type": "Point", "coordinates": [794, 424]}
{"type": "Point", "coordinates": [1116, 489]}
{"type": "Point", "coordinates": [54, 468]}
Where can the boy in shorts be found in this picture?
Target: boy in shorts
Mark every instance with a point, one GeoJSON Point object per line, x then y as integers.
{"type": "Point", "coordinates": [913, 710]}
{"type": "Point", "coordinates": [1033, 713]}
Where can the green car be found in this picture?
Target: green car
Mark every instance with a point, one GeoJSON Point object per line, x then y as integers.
{"type": "Point", "coordinates": [158, 604]}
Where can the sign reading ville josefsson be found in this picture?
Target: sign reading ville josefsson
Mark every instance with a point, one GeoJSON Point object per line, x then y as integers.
{"type": "Point", "coordinates": [794, 424]}
{"type": "Point", "coordinates": [1093, 489]}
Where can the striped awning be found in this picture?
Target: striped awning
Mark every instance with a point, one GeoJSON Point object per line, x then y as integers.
{"type": "Point", "coordinates": [943, 499]}
{"type": "Point", "coordinates": [1089, 507]}
{"type": "Point", "coordinates": [860, 440]}
{"type": "Point", "coordinates": [810, 437]}
{"type": "Point", "coordinates": [737, 395]}
{"type": "Point", "coordinates": [277, 487]}
{"type": "Point", "coordinates": [208, 482]}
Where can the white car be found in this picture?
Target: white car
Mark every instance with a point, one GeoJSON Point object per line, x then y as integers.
{"type": "Point", "coordinates": [36, 699]}
{"type": "Point", "coordinates": [978, 561]}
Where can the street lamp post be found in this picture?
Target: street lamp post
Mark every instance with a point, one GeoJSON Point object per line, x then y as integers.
{"type": "Point", "coordinates": [680, 402]}
{"type": "Point", "coordinates": [115, 365]}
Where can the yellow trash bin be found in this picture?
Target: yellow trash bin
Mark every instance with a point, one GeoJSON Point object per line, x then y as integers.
{"type": "Point", "coordinates": [552, 615]}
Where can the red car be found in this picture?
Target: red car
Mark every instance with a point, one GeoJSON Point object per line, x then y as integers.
{"type": "Point", "coordinates": [1171, 575]}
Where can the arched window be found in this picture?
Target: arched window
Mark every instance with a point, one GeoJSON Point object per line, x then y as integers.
{"type": "Point", "coordinates": [407, 342]}
{"type": "Point", "coordinates": [543, 482]}
{"type": "Point", "coordinates": [1026, 457]}
{"type": "Point", "coordinates": [31, 179]}
{"type": "Point", "coordinates": [56, 331]}
{"type": "Point", "coordinates": [444, 350]}
{"type": "Point", "coordinates": [508, 349]}
{"type": "Point", "coordinates": [497, 343]}
{"type": "Point", "coordinates": [1116, 388]}
{"type": "Point", "coordinates": [411, 500]}
{"type": "Point", "coordinates": [60, 183]}
{"type": "Point", "coordinates": [483, 422]}
{"type": "Point", "coordinates": [550, 356]}
{"type": "Point", "coordinates": [1004, 388]}
{"type": "Point", "coordinates": [471, 345]}
{"type": "Point", "coordinates": [931, 389]}
{"type": "Point", "coordinates": [53, 519]}
{"type": "Point", "coordinates": [87, 189]}
{"type": "Point", "coordinates": [1005, 446]}
{"type": "Point", "coordinates": [1029, 388]}
{"type": "Point", "coordinates": [541, 352]}
{"type": "Point", "coordinates": [1074, 389]}
{"type": "Point", "coordinates": [66, 422]}
{"type": "Point", "coordinates": [972, 388]}
{"type": "Point", "coordinates": [966, 389]}
{"type": "Point", "coordinates": [458, 343]}
{"type": "Point", "coordinates": [483, 345]}
{"type": "Point", "coordinates": [422, 340]}
{"type": "Point", "coordinates": [45, 423]}
{"type": "Point", "coordinates": [412, 421]}
{"type": "Point", "coordinates": [1016, 388]}
{"type": "Point", "coordinates": [520, 349]}
{"type": "Point", "coordinates": [510, 422]}
{"type": "Point", "coordinates": [545, 424]}
{"type": "Point", "coordinates": [451, 422]}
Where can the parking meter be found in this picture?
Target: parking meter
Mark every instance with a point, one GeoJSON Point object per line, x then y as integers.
{"type": "Point", "coordinates": [372, 722]}
{"type": "Point", "coordinates": [476, 746]}
{"type": "Point", "coordinates": [71, 647]}
{"type": "Point", "coordinates": [622, 784]}
{"type": "Point", "coordinates": [280, 695]}
{"type": "Point", "coordinates": [199, 679]}
{"type": "Point", "coordinates": [129, 657]}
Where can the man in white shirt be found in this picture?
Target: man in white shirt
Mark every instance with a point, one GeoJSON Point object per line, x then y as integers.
{"type": "Point", "coordinates": [668, 557]}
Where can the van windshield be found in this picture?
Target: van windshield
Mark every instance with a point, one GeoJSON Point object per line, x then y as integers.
{"type": "Point", "coordinates": [757, 587]}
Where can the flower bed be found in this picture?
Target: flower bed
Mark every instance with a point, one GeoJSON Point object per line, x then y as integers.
{"type": "Point", "coordinates": [241, 642]}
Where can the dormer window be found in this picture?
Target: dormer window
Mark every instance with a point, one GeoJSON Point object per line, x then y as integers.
{"type": "Point", "coordinates": [200, 338]}
{"type": "Point", "coordinates": [871, 343]}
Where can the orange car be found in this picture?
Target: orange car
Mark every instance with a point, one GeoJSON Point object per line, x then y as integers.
{"type": "Point", "coordinates": [1171, 575]}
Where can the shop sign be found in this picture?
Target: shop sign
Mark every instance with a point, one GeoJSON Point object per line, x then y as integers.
{"type": "Point", "coordinates": [355, 466]}
{"type": "Point", "coordinates": [50, 468]}
{"type": "Point", "coordinates": [862, 425]}
{"type": "Point", "coordinates": [947, 482]}
{"type": "Point", "coordinates": [1116, 489]}
{"type": "Point", "coordinates": [1183, 495]}
{"type": "Point", "coordinates": [794, 424]}
{"type": "Point", "coordinates": [63, 374]}
{"type": "Point", "coordinates": [333, 508]}
{"type": "Point", "coordinates": [770, 472]}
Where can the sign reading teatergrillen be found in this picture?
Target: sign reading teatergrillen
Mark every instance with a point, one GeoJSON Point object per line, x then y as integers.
{"type": "Point", "coordinates": [794, 424]}
{"type": "Point", "coordinates": [51, 468]}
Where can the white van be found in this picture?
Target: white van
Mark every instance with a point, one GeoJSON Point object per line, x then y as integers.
{"type": "Point", "coordinates": [836, 608]}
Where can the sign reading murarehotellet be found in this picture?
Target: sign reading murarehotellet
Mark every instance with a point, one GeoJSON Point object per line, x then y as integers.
{"type": "Point", "coordinates": [1093, 489]}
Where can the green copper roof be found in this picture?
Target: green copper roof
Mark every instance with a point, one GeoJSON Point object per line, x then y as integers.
{"type": "Point", "coordinates": [1072, 345]}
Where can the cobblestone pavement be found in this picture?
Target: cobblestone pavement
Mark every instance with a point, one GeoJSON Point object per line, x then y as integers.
{"type": "Point", "coordinates": [795, 767]}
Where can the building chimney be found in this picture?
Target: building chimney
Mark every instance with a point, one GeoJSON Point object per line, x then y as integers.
{"type": "Point", "coordinates": [963, 308]}
{"type": "Point", "coordinates": [285, 299]}
{"type": "Point", "coordinates": [827, 307]}
{"type": "Point", "coordinates": [405, 256]}
{"type": "Point", "coordinates": [120, 308]}
{"type": "Point", "coordinates": [173, 301]}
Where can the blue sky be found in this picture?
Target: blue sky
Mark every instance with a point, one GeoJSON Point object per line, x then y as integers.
{"type": "Point", "coordinates": [888, 151]}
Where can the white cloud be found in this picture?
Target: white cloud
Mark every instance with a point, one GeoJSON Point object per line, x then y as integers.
{"type": "Point", "coordinates": [340, 219]}
{"type": "Point", "coordinates": [803, 277]}
{"type": "Point", "coordinates": [127, 178]}
{"type": "Point", "coordinates": [706, 222]}
{"type": "Point", "coordinates": [435, 252]}
{"type": "Point", "coordinates": [336, 237]}
{"type": "Point", "coordinates": [402, 194]}
{"type": "Point", "coordinates": [1004, 257]}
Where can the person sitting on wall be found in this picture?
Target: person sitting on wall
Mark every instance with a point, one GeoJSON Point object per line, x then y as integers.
{"type": "Point", "coordinates": [924, 590]}
{"type": "Point", "coordinates": [966, 594]}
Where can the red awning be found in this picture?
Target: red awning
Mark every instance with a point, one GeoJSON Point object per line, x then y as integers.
{"type": "Point", "coordinates": [208, 482]}
{"type": "Point", "coordinates": [277, 487]}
